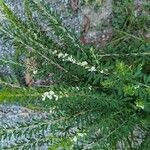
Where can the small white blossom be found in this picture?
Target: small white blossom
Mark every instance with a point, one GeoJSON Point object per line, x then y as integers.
{"type": "Point", "coordinates": [92, 69]}
{"type": "Point", "coordinates": [90, 88]}
{"type": "Point", "coordinates": [65, 55]}
{"type": "Point", "coordinates": [102, 71]}
{"type": "Point", "coordinates": [60, 55]}
{"type": "Point", "coordinates": [71, 59]}
{"type": "Point", "coordinates": [81, 134]}
{"type": "Point", "coordinates": [77, 88]}
{"type": "Point", "coordinates": [75, 139]}
{"type": "Point", "coordinates": [56, 97]}
{"type": "Point", "coordinates": [51, 92]}
{"type": "Point", "coordinates": [84, 63]}
{"type": "Point", "coordinates": [35, 72]}
{"type": "Point", "coordinates": [50, 95]}
{"type": "Point", "coordinates": [87, 67]}
{"type": "Point", "coordinates": [44, 96]}
{"type": "Point", "coordinates": [54, 52]}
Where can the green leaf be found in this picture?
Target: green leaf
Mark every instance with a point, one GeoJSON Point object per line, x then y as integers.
{"type": "Point", "coordinates": [1, 2]}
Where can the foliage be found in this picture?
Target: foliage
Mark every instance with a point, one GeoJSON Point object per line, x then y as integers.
{"type": "Point", "coordinates": [100, 99]}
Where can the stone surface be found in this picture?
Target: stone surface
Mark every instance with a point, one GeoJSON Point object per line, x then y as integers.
{"type": "Point", "coordinates": [16, 118]}
{"type": "Point", "coordinates": [100, 30]}
{"type": "Point", "coordinates": [90, 22]}
{"type": "Point", "coordinates": [72, 19]}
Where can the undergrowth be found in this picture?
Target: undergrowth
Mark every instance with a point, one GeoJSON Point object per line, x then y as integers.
{"type": "Point", "coordinates": [99, 99]}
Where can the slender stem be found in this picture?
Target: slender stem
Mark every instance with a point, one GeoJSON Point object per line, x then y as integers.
{"type": "Point", "coordinates": [130, 35]}
{"type": "Point", "coordinates": [116, 40]}
{"type": "Point", "coordinates": [124, 55]}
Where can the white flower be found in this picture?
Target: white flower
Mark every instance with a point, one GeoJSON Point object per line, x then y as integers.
{"type": "Point", "coordinates": [90, 88]}
{"type": "Point", "coordinates": [51, 92]}
{"type": "Point", "coordinates": [75, 139]}
{"type": "Point", "coordinates": [74, 61]}
{"type": "Point", "coordinates": [56, 97]}
{"type": "Point", "coordinates": [65, 55]}
{"type": "Point", "coordinates": [54, 52]}
{"type": "Point", "coordinates": [92, 69]}
{"type": "Point", "coordinates": [102, 71]}
{"type": "Point", "coordinates": [81, 134]}
{"type": "Point", "coordinates": [60, 55]}
{"type": "Point", "coordinates": [44, 96]}
{"type": "Point", "coordinates": [50, 95]}
{"type": "Point", "coordinates": [77, 88]}
{"type": "Point", "coordinates": [71, 59]}
{"type": "Point", "coordinates": [84, 63]}
{"type": "Point", "coordinates": [35, 72]}
{"type": "Point", "coordinates": [87, 67]}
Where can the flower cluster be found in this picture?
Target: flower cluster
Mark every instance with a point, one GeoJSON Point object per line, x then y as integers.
{"type": "Point", "coordinates": [69, 58]}
{"type": "Point", "coordinates": [92, 69]}
{"type": "Point", "coordinates": [76, 88]}
{"type": "Point", "coordinates": [49, 95]}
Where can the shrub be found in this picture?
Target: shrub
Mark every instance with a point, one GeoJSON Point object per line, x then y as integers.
{"type": "Point", "coordinates": [99, 99]}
